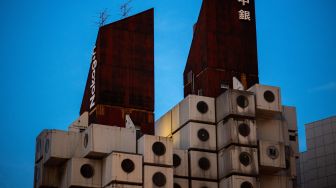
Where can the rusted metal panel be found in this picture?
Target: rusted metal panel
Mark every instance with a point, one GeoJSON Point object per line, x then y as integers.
{"type": "Point", "coordinates": [122, 68]}
{"type": "Point", "coordinates": [224, 43]}
{"type": "Point", "coordinates": [115, 116]}
{"type": "Point", "coordinates": [121, 75]}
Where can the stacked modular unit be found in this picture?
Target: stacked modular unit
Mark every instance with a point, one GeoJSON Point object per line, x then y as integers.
{"type": "Point", "coordinates": [157, 160]}
{"type": "Point", "coordinates": [277, 137]}
{"type": "Point", "coordinates": [250, 142]}
{"type": "Point", "coordinates": [191, 125]}
{"type": "Point", "coordinates": [236, 137]}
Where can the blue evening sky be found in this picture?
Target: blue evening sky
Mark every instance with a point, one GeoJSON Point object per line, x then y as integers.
{"type": "Point", "coordinates": [46, 46]}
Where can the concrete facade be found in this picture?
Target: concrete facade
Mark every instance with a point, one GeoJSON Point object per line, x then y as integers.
{"type": "Point", "coordinates": [318, 163]}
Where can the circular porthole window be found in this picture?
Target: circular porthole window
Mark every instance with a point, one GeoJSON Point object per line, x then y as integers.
{"type": "Point", "coordinates": [204, 163]}
{"type": "Point", "coordinates": [246, 184]}
{"type": "Point", "coordinates": [269, 96]}
{"type": "Point", "coordinates": [272, 152]}
{"type": "Point", "coordinates": [46, 146]}
{"type": "Point", "coordinates": [127, 165]}
{"type": "Point", "coordinates": [245, 158]}
{"type": "Point", "coordinates": [202, 107]}
{"type": "Point", "coordinates": [87, 171]}
{"type": "Point", "coordinates": [244, 130]}
{"type": "Point", "coordinates": [159, 179]}
{"type": "Point", "coordinates": [176, 160]}
{"type": "Point", "coordinates": [203, 135]}
{"type": "Point", "coordinates": [159, 148]}
{"type": "Point", "coordinates": [176, 185]}
{"type": "Point", "coordinates": [242, 101]}
{"type": "Point", "coordinates": [86, 140]}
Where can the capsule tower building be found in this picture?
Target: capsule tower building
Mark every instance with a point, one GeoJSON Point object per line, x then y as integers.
{"type": "Point", "coordinates": [229, 131]}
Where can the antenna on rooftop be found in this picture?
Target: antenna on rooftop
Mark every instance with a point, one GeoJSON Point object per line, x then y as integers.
{"type": "Point", "coordinates": [125, 9]}
{"type": "Point", "coordinates": [103, 16]}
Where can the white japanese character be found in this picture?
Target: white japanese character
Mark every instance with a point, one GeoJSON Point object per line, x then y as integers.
{"type": "Point", "coordinates": [244, 15]}
{"type": "Point", "coordinates": [244, 2]}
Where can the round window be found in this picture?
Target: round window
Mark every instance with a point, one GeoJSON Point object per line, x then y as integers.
{"type": "Point", "coordinates": [159, 148]}
{"type": "Point", "coordinates": [86, 140]}
{"type": "Point", "coordinates": [176, 185]}
{"type": "Point", "coordinates": [204, 163]}
{"type": "Point", "coordinates": [244, 129]}
{"type": "Point", "coordinates": [203, 135]}
{"type": "Point", "coordinates": [246, 184]}
{"type": "Point", "coordinates": [273, 152]}
{"type": "Point", "coordinates": [176, 160]}
{"type": "Point", "coordinates": [127, 165]}
{"type": "Point", "coordinates": [242, 101]}
{"type": "Point", "coordinates": [87, 171]}
{"type": "Point", "coordinates": [269, 96]}
{"type": "Point", "coordinates": [46, 146]}
{"type": "Point", "coordinates": [245, 158]}
{"type": "Point", "coordinates": [202, 107]}
{"type": "Point", "coordinates": [159, 179]}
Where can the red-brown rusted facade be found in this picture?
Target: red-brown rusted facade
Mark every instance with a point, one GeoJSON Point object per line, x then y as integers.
{"type": "Point", "coordinates": [121, 76]}
{"type": "Point", "coordinates": [224, 46]}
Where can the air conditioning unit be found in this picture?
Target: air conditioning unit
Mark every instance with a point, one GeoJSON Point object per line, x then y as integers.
{"type": "Point", "coordinates": [180, 163]}
{"type": "Point", "coordinates": [272, 156]}
{"type": "Point", "coordinates": [163, 126]}
{"type": "Point", "coordinates": [267, 181]}
{"type": "Point", "coordinates": [116, 185]}
{"type": "Point", "coordinates": [289, 117]}
{"type": "Point", "coordinates": [235, 103]}
{"type": "Point", "coordinates": [155, 177]}
{"type": "Point", "coordinates": [294, 143]}
{"type": "Point", "coordinates": [203, 165]}
{"type": "Point", "coordinates": [122, 168]}
{"type": "Point", "coordinates": [39, 145]}
{"type": "Point", "coordinates": [239, 182]}
{"type": "Point", "coordinates": [59, 146]}
{"type": "Point", "coordinates": [203, 184]}
{"type": "Point", "coordinates": [80, 124]}
{"type": "Point", "coordinates": [236, 131]}
{"type": "Point", "coordinates": [238, 160]}
{"type": "Point", "coordinates": [45, 176]}
{"type": "Point", "coordinates": [181, 183]}
{"type": "Point", "coordinates": [156, 150]}
{"type": "Point", "coordinates": [81, 172]}
{"type": "Point", "coordinates": [99, 140]}
{"type": "Point", "coordinates": [198, 109]}
{"type": "Point", "coordinates": [270, 129]}
{"type": "Point", "coordinates": [268, 100]}
{"type": "Point", "coordinates": [196, 136]}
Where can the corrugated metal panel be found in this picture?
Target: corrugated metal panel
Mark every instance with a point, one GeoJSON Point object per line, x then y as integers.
{"type": "Point", "coordinates": [123, 73]}
{"type": "Point", "coordinates": [223, 43]}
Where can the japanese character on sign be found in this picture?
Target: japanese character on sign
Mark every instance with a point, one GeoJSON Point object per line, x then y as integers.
{"type": "Point", "coordinates": [244, 15]}
{"type": "Point", "coordinates": [244, 2]}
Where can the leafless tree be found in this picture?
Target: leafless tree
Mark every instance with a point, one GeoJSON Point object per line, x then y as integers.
{"type": "Point", "coordinates": [125, 9]}
{"type": "Point", "coordinates": [103, 16]}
